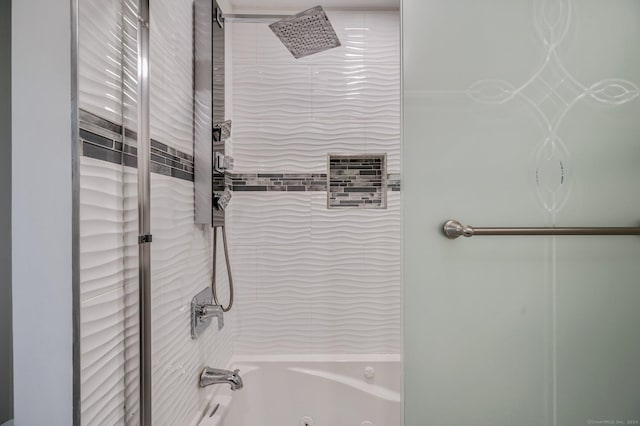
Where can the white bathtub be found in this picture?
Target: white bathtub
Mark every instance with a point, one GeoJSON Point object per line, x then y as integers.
{"type": "Point", "coordinates": [310, 391]}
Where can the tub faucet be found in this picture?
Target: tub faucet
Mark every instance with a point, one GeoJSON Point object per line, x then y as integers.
{"type": "Point", "coordinates": [213, 376]}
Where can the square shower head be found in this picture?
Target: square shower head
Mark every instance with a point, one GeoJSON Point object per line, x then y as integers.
{"type": "Point", "coordinates": [306, 33]}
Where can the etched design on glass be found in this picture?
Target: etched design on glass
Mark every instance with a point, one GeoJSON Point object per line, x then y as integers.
{"type": "Point", "coordinates": [551, 92]}
{"type": "Point", "coordinates": [552, 19]}
{"type": "Point", "coordinates": [491, 91]}
{"type": "Point", "coordinates": [552, 174]}
{"type": "Point", "coordinates": [614, 91]}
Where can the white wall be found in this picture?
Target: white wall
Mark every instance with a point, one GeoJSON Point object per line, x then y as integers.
{"type": "Point", "coordinates": [41, 219]}
{"type": "Point", "coordinates": [311, 280]}
{"type": "Point", "coordinates": [6, 364]}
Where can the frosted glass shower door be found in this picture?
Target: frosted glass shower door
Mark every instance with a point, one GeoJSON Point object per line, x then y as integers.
{"type": "Point", "coordinates": [521, 113]}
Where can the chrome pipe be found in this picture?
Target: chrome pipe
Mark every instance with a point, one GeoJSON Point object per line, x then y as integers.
{"type": "Point", "coordinates": [252, 16]}
{"type": "Point", "coordinates": [453, 229]}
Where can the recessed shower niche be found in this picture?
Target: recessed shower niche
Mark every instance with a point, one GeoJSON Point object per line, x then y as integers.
{"type": "Point", "coordinates": [357, 181]}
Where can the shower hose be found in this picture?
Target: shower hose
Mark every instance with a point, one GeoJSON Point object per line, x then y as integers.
{"type": "Point", "coordinates": [214, 286]}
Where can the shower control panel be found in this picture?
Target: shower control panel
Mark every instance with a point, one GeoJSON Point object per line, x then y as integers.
{"type": "Point", "coordinates": [210, 127]}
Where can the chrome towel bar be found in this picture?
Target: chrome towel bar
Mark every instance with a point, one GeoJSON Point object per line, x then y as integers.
{"type": "Point", "coordinates": [453, 229]}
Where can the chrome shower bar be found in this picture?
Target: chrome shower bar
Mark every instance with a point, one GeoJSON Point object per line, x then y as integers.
{"type": "Point", "coordinates": [453, 229]}
{"type": "Point", "coordinates": [144, 213]}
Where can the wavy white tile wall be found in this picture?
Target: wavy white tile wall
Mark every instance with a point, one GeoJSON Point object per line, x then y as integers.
{"type": "Point", "coordinates": [288, 114]}
{"type": "Point", "coordinates": [108, 220]}
{"type": "Point", "coordinates": [108, 292]}
{"type": "Point", "coordinates": [100, 57]}
{"type": "Point", "coordinates": [315, 281]}
{"type": "Point", "coordinates": [107, 59]}
{"type": "Point", "coordinates": [181, 251]}
{"type": "Point", "coordinates": [171, 68]}
{"type": "Point", "coordinates": [180, 268]}
{"type": "Point", "coordinates": [311, 280]}
{"type": "Point", "coordinates": [130, 63]}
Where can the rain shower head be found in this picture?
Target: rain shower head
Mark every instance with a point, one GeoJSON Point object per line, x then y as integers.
{"type": "Point", "coordinates": [306, 33]}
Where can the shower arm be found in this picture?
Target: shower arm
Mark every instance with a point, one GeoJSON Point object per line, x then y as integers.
{"type": "Point", "coordinates": [249, 17]}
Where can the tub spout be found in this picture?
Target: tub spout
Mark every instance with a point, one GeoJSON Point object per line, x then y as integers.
{"type": "Point", "coordinates": [213, 376]}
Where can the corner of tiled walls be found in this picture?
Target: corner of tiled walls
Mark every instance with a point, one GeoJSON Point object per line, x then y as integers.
{"type": "Point", "coordinates": [310, 280]}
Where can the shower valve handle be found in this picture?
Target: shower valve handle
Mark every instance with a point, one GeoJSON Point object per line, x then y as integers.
{"type": "Point", "coordinates": [209, 311]}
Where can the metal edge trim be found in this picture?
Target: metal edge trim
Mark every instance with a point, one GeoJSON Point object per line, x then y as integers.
{"type": "Point", "coordinates": [144, 250]}
{"type": "Point", "coordinates": [75, 218]}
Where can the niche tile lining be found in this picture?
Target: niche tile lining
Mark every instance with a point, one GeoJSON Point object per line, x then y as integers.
{"type": "Point", "coordinates": [357, 181]}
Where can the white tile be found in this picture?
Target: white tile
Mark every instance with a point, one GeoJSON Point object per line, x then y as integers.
{"type": "Point", "coordinates": [244, 42]}
{"type": "Point", "coordinates": [382, 40]}
{"type": "Point", "coordinates": [351, 31]}
{"type": "Point", "coordinates": [271, 219]}
{"type": "Point", "coordinates": [339, 91]}
{"type": "Point", "coordinates": [100, 58]}
{"type": "Point", "coordinates": [181, 267]}
{"type": "Point", "coordinates": [103, 358]}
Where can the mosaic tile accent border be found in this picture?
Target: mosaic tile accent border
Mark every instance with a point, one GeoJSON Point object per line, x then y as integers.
{"type": "Point", "coordinates": [393, 181]}
{"type": "Point", "coordinates": [277, 181]}
{"type": "Point", "coordinates": [289, 182]}
{"type": "Point", "coordinates": [103, 140]}
{"type": "Point", "coordinates": [357, 181]}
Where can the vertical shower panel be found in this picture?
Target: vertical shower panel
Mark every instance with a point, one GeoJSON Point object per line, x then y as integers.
{"type": "Point", "coordinates": [520, 114]}
{"type": "Point", "coordinates": [202, 113]}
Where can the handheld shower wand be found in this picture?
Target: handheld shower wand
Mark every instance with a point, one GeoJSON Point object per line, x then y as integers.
{"type": "Point", "coordinates": [214, 286]}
